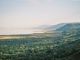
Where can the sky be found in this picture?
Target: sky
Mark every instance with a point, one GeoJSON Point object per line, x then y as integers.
{"type": "Point", "coordinates": [31, 13]}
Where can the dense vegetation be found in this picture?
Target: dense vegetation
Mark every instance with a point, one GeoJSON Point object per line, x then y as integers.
{"type": "Point", "coordinates": [60, 47]}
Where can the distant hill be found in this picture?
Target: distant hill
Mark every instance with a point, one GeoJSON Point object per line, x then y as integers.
{"type": "Point", "coordinates": [63, 27]}
{"type": "Point", "coordinates": [69, 26]}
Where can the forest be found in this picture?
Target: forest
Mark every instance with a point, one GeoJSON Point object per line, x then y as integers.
{"type": "Point", "coordinates": [47, 47]}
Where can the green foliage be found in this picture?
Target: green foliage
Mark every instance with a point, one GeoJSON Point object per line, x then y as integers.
{"type": "Point", "coordinates": [45, 48]}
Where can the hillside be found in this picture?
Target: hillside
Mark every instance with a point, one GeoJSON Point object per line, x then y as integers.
{"type": "Point", "coordinates": [60, 44]}
{"type": "Point", "coordinates": [63, 27]}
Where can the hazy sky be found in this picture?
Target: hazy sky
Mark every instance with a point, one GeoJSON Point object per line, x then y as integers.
{"type": "Point", "coordinates": [30, 13]}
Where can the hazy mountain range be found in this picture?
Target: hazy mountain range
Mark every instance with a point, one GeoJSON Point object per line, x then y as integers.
{"type": "Point", "coordinates": [41, 29]}
{"type": "Point", "coordinates": [60, 27]}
